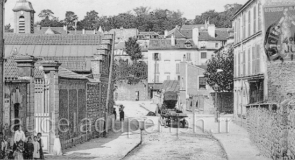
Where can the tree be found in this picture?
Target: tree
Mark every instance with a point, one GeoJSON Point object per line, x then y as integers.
{"type": "Point", "coordinates": [8, 28]}
{"type": "Point", "coordinates": [70, 19]}
{"type": "Point", "coordinates": [46, 13]}
{"type": "Point", "coordinates": [223, 79]}
{"type": "Point", "coordinates": [133, 49]}
{"type": "Point", "coordinates": [90, 21]}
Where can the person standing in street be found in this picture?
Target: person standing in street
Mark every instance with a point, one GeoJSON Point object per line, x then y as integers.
{"type": "Point", "coordinates": [39, 135]}
{"type": "Point", "coordinates": [121, 115]}
{"type": "Point", "coordinates": [115, 113]}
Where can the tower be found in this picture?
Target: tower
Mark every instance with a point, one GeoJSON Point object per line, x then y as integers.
{"type": "Point", "coordinates": [23, 17]}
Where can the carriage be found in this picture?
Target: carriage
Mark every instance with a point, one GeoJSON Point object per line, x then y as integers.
{"type": "Point", "coordinates": [168, 111]}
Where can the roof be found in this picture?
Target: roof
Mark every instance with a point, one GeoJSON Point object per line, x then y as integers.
{"type": "Point", "coordinates": [170, 86]}
{"type": "Point", "coordinates": [220, 35]}
{"type": "Point", "coordinates": [65, 73]}
{"type": "Point", "coordinates": [190, 27]}
{"type": "Point", "coordinates": [32, 39]}
{"type": "Point", "coordinates": [166, 44]}
{"type": "Point", "coordinates": [202, 66]}
{"type": "Point", "coordinates": [148, 33]}
{"type": "Point", "coordinates": [124, 34]}
{"type": "Point", "coordinates": [23, 5]}
{"type": "Point", "coordinates": [279, 3]}
{"type": "Point", "coordinates": [42, 30]}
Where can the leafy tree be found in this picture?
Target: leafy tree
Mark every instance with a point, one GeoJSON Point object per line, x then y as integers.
{"type": "Point", "coordinates": [223, 79]}
{"type": "Point", "coordinates": [133, 49]}
{"type": "Point", "coordinates": [90, 21]}
{"type": "Point", "coordinates": [8, 28]}
{"type": "Point", "coordinates": [50, 23]}
{"type": "Point", "coordinates": [46, 13]}
{"type": "Point", "coordinates": [220, 19]}
{"type": "Point", "coordinates": [70, 19]}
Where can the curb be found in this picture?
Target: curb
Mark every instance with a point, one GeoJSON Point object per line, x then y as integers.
{"type": "Point", "coordinates": [215, 138]}
{"type": "Point", "coordinates": [132, 150]}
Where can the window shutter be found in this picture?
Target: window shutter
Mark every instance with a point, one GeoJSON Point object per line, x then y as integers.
{"type": "Point", "coordinates": [249, 61]}
{"type": "Point", "coordinates": [257, 59]}
{"type": "Point", "coordinates": [254, 19]}
{"type": "Point", "coordinates": [235, 66]}
{"type": "Point", "coordinates": [259, 17]}
{"type": "Point", "coordinates": [249, 23]}
{"type": "Point", "coordinates": [159, 56]}
{"type": "Point", "coordinates": [239, 65]}
{"type": "Point", "coordinates": [244, 63]}
{"type": "Point", "coordinates": [253, 61]}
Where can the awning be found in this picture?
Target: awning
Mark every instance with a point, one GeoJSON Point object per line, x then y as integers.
{"type": "Point", "coordinates": [171, 86]}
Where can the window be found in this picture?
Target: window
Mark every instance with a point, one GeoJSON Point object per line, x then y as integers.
{"type": "Point", "coordinates": [239, 64]}
{"type": "Point", "coordinates": [254, 19]}
{"type": "Point", "coordinates": [157, 68]}
{"type": "Point", "coordinates": [244, 26]}
{"type": "Point", "coordinates": [178, 77]}
{"type": "Point", "coordinates": [235, 31]}
{"type": "Point", "coordinates": [167, 67]}
{"type": "Point", "coordinates": [244, 63]}
{"type": "Point", "coordinates": [203, 55]}
{"type": "Point", "coordinates": [257, 59]}
{"type": "Point", "coordinates": [259, 17]}
{"type": "Point", "coordinates": [249, 61]}
{"type": "Point", "coordinates": [235, 65]}
{"type": "Point", "coordinates": [168, 77]}
{"type": "Point", "coordinates": [188, 56]}
{"type": "Point", "coordinates": [177, 68]}
{"type": "Point", "coordinates": [253, 61]}
{"type": "Point", "coordinates": [216, 45]}
{"type": "Point", "coordinates": [249, 23]}
{"type": "Point", "coordinates": [202, 83]}
{"type": "Point", "coordinates": [21, 24]}
{"type": "Point", "coordinates": [157, 79]}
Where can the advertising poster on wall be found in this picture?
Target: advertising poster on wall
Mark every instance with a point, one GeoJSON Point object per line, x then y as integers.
{"type": "Point", "coordinates": [280, 32]}
{"type": "Point", "coordinates": [6, 112]}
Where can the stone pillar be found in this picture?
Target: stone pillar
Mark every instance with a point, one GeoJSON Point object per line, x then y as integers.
{"type": "Point", "coordinates": [26, 67]}
{"type": "Point", "coordinates": [51, 70]}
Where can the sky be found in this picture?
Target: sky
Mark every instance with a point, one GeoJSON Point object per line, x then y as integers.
{"type": "Point", "coordinates": [189, 8]}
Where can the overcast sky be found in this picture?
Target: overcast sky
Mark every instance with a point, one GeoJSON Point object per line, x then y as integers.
{"type": "Point", "coordinates": [190, 8]}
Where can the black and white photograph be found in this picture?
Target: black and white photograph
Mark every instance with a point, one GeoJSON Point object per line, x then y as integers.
{"type": "Point", "coordinates": [147, 79]}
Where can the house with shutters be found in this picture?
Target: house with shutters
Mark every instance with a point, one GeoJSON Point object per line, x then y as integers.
{"type": "Point", "coordinates": [194, 44]}
{"type": "Point", "coordinates": [56, 84]}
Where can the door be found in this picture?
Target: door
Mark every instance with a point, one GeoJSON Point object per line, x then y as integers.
{"type": "Point", "coordinates": [137, 95]}
{"type": "Point", "coordinates": [42, 117]}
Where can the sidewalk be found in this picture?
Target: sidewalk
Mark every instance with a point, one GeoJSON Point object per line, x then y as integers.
{"type": "Point", "coordinates": [236, 142]}
{"type": "Point", "coordinates": [116, 146]}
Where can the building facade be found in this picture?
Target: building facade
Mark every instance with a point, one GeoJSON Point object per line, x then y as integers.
{"type": "Point", "coordinates": [250, 85]}
{"type": "Point", "coordinates": [194, 44]}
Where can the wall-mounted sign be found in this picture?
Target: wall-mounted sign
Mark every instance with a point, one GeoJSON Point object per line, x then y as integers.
{"type": "Point", "coordinates": [280, 32]}
{"type": "Point", "coordinates": [6, 112]}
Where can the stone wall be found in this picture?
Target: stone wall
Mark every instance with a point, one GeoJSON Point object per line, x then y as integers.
{"type": "Point", "coordinates": [127, 92]}
{"type": "Point", "coordinates": [281, 79]}
{"type": "Point", "coordinates": [271, 128]}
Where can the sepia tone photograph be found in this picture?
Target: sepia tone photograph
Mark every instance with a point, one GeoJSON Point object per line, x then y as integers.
{"type": "Point", "coordinates": [147, 79]}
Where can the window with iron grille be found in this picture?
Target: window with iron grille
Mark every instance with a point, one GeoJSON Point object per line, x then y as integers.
{"type": "Point", "coordinates": [202, 83]}
{"type": "Point", "coordinates": [203, 55]}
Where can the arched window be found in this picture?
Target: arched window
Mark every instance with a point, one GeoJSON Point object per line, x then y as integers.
{"type": "Point", "coordinates": [21, 24]}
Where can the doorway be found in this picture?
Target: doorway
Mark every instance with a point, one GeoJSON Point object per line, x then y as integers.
{"type": "Point", "coordinates": [16, 115]}
{"type": "Point", "coordinates": [137, 96]}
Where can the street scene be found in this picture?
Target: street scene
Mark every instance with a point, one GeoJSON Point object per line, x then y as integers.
{"type": "Point", "coordinates": [141, 80]}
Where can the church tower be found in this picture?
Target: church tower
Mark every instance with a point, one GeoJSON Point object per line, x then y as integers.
{"type": "Point", "coordinates": [23, 17]}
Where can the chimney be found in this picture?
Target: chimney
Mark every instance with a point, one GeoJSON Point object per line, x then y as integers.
{"type": "Point", "coordinates": [94, 31]}
{"type": "Point", "coordinates": [83, 31]}
{"type": "Point", "coordinates": [39, 27]}
{"type": "Point", "coordinates": [172, 40]}
{"type": "Point", "coordinates": [196, 36]}
{"type": "Point", "coordinates": [211, 30]}
{"type": "Point", "coordinates": [165, 33]}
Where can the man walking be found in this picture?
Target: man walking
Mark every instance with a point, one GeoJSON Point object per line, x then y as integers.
{"type": "Point", "coordinates": [121, 115]}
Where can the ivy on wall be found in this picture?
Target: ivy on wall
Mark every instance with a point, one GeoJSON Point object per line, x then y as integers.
{"type": "Point", "coordinates": [131, 73]}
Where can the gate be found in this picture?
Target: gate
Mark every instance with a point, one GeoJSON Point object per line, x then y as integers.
{"type": "Point", "coordinates": [42, 117]}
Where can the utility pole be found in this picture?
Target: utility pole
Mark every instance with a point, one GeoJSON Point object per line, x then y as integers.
{"type": "Point", "coordinates": [109, 91]}
{"type": "Point", "coordinates": [2, 3]}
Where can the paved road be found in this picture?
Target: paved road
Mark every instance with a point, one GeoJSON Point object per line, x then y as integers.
{"type": "Point", "coordinates": [166, 143]}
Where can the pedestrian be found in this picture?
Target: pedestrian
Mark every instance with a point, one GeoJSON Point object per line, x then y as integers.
{"type": "Point", "coordinates": [4, 146]}
{"type": "Point", "coordinates": [39, 135]}
{"type": "Point", "coordinates": [19, 135]}
{"type": "Point", "coordinates": [29, 149]}
{"type": "Point", "coordinates": [18, 153]}
{"type": "Point", "coordinates": [115, 114]}
{"type": "Point", "coordinates": [36, 153]}
{"type": "Point", "coordinates": [1, 145]}
{"type": "Point", "coordinates": [122, 115]}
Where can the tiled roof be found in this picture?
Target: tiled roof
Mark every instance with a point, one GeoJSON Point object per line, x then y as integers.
{"type": "Point", "coordinates": [10, 68]}
{"type": "Point", "coordinates": [77, 64]}
{"type": "Point", "coordinates": [166, 44]}
{"type": "Point", "coordinates": [148, 33]}
{"type": "Point", "coordinates": [32, 39]}
{"type": "Point", "coordinates": [220, 35]}
{"type": "Point", "coordinates": [42, 30]}
{"type": "Point", "coordinates": [65, 73]}
{"type": "Point", "coordinates": [279, 2]}
{"type": "Point", "coordinates": [171, 86]}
